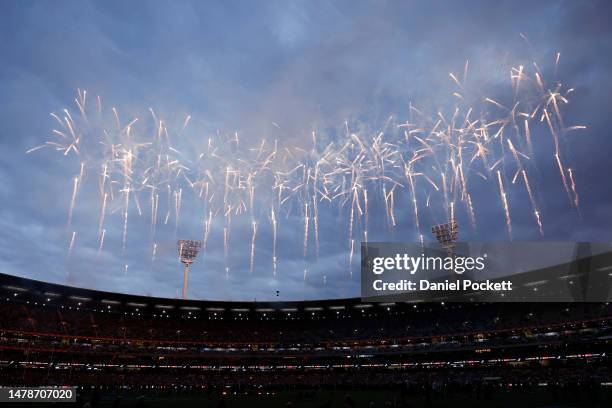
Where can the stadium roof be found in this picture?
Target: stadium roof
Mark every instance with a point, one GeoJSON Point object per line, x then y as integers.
{"type": "Point", "coordinates": [14, 286]}
{"type": "Point", "coordinates": [583, 280]}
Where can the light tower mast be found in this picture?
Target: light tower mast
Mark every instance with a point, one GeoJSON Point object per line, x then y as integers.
{"type": "Point", "coordinates": [188, 250]}
{"type": "Point", "coordinates": [446, 234]}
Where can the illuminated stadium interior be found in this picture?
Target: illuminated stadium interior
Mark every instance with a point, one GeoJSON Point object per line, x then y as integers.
{"type": "Point", "coordinates": [306, 204]}
{"type": "Point", "coordinates": [107, 341]}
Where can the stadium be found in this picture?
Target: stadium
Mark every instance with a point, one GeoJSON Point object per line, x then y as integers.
{"type": "Point", "coordinates": [125, 350]}
{"type": "Point", "coordinates": [335, 204]}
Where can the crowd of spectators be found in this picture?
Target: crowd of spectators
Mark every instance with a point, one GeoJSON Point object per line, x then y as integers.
{"type": "Point", "coordinates": [426, 348]}
{"type": "Point", "coordinates": [398, 322]}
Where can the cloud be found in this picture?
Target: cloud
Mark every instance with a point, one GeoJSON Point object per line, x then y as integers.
{"type": "Point", "coordinates": [304, 66]}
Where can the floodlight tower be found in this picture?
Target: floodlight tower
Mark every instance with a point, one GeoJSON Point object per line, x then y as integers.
{"type": "Point", "coordinates": [188, 250]}
{"type": "Point", "coordinates": [446, 234]}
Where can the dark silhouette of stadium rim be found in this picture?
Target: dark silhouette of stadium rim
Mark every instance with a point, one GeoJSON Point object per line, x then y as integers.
{"type": "Point", "coordinates": [588, 280]}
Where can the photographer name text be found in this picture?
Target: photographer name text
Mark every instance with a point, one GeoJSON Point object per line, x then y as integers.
{"type": "Point", "coordinates": [414, 264]}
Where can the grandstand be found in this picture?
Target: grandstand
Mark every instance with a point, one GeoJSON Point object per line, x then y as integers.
{"type": "Point", "coordinates": [112, 345]}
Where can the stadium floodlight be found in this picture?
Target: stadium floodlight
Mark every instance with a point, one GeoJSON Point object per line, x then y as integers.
{"type": "Point", "coordinates": [446, 234]}
{"type": "Point", "coordinates": [188, 250]}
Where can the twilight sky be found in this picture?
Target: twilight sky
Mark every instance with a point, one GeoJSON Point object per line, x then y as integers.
{"type": "Point", "coordinates": [279, 69]}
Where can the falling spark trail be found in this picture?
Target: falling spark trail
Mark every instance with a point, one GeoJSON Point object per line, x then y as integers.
{"type": "Point", "coordinates": [207, 223]}
{"type": "Point", "coordinates": [316, 225]}
{"type": "Point", "coordinates": [470, 208]}
{"type": "Point", "coordinates": [274, 261]}
{"type": "Point", "coordinates": [102, 214]}
{"type": "Point", "coordinates": [125, 218]}
{"type": "Point", "coordinates": [366, 208]}
{"type": "Point", "coordinates": [536, 212]}
{"type": "Point", "coordinates": [187, 119]}
{"type": "Point", "coordinates": [73, 200]}
{"type": "Point", "coordinates": [177, 207]}
{"type": "Point", "coordinates": [563, 178]}
{"type": "Point", "coordinates": [71, 245]}
{"type": "Point", "coordinates": [392, 207]}
{"type": "Point", "coordinates": [274, 227]}
{"type": "Point", "coordinates": [573, 187]}
{"type": "Point", "coordinates": [415, 206]}
{"type": "Point", "coordinates": [528, 137]}
{"type": "Point", "coordinates": [101, 243]}
{"type": "Point", "coordinates": [351, 220]}
{"type": "Point", "coordinates": [35, 149]}
{"type": "Point", "coordinates": [352, 252]}
{"type": "Point", "coordinates": [306, 219]}
{"type": "Point", "coordinates": [502, 193]}
{"type": "Point", "coordinates": [225, 243]}
{"type": "Point", "coordinates": [252, 260]}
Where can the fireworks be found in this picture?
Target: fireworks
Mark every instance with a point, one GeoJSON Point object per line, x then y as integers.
{"type": "Point", "coordinates": [427, 165]}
